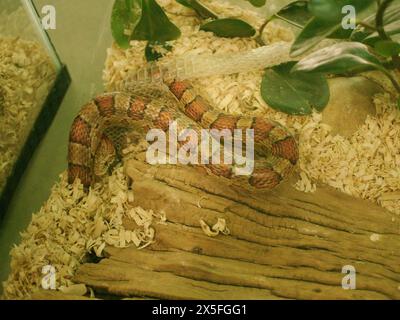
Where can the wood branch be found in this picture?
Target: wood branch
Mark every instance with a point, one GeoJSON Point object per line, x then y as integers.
{"type": "Point", "coordinates": [283, 244]}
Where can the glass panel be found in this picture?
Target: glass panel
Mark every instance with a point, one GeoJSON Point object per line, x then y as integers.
{"type": "Point", "coordinates": [28, 69]}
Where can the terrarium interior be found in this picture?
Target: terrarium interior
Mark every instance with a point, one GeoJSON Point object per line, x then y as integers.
{"type": "Point", "coordinates": [29, 68]}
{"type": "Point", "coordinates": [324, 193]}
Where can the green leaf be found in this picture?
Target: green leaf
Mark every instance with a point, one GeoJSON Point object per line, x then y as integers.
{"type": "Point", "coordinates": [297, 94]}
{"type": "Point", "coordinates": [328, 10]}
{"type": "Point", "coordinates": [398, 104]}
{"type": "Point", "coordinates": [257, 3]}
{"type": "Point", "coordinates": [391, 29]}
{"type": "Point", "coordinates": [125, 16]}
{"type": "Point", "coordinates": [313, 33]}
{"type": "Point", "coordinates": [201, 9]}
{"type": "Point", "coordinates": [387, 48]}
{"type": "Point", "coordinates": [320, 28]}
{"type": "Point", "coordinates": [340, 58]}
{"type": "Point", "coordinates": [296, 12]}
{"type": "Point", "coordinates": [152, 54]}
{"type": "Point", "coordinates": [229, 28]}
{"type": "Point", "coordinates": [392, 14]}
{"type": "Point", "coordinates": [154, 24]}
{"type": "Point", "coordinates": [184, 3]}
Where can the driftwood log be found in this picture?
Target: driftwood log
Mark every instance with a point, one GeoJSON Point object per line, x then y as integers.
{"type": "Point", "coordinates": [283, 244]}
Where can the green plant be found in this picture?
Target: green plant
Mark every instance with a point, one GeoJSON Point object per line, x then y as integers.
{"type": "Point", "coordinates": [296, 87]}
{"type": "Point", "coordinates": [280, 85]}
{"type": "Point", "coordinates": [146, 20]}
{"type": "Point", "coordinates": [374, 44]}
{"type": "Point", "coordinates": [141, 20]}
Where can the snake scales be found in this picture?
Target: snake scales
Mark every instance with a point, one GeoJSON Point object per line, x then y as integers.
{"type": "Point", "coordinates": [91, 147]}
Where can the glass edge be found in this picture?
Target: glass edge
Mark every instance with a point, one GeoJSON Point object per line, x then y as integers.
{"type": "Point", "coordinates": [34, 14]}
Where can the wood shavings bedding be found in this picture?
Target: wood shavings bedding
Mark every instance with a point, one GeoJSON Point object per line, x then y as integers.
{"type": "Point", "coordinates": [70, 223]}
{"type": "Point", "coordinates": [366, 165]}
{"type": "Point", "coordinates": [216, 229]}
{"type": "Point", "coordinates": [15, 21]}
{"type": "Point", "coordinates": [26, 77]}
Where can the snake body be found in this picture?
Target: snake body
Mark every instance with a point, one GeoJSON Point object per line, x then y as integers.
{"type": "Point", "coordinates": [91, 148]}
{"type": "Point", "coordinates": [276, 151]}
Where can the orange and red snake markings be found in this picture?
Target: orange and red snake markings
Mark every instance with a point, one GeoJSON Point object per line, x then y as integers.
{"type": "Point", "coordinates": [286, 149]}
{"type": "Point", "coordinates": [178, 88]}
{"type": "Point", "coordinates": [275, 141]}
{"type": "Point", "coordinates": [136, 109]}
{"type": "Point", "coordinates": [84, 174]}
{"type": "Point", "coordinates": [265, 178]}
{"type": "Point", "coordinates": [225, 121]}
{"type": "Point", "coordinates": [80, 135]}
{"type": "Point", "coordinates": [80, 132]}
{"type": "Point", "coordinates": [163, 120]}
{"type": "Point", "coordinates": [196, 109]}
{"type": "Point", "coordinates": [261, 129]}
{"type": "Point", "coordinates": [105, 105]}
{"type": "Point", "coordinates": [220, 170]}
{"type": "Point", "coordinates": [106, 145]}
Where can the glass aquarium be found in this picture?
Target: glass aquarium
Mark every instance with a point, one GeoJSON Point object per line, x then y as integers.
{"type": "Point", "coordinates": [33, 82]}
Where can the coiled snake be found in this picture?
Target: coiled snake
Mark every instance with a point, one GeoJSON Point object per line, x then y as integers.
{"type": "Point", "coordinates": [276, 151]}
